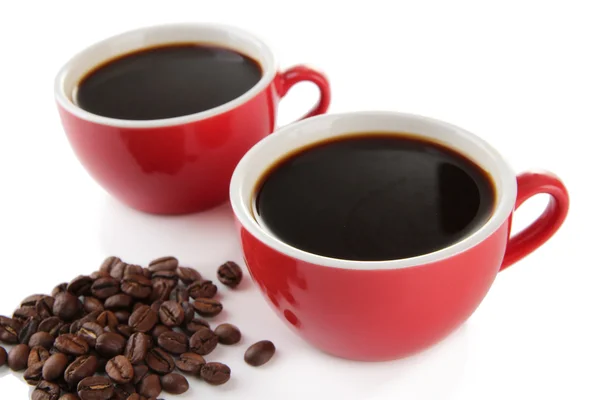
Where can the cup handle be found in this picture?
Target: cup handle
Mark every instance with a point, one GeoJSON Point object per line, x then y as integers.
{"type": "Point", "coordinates": [301, 73]}
{"type": "Point", "coordinates": [528, 185]}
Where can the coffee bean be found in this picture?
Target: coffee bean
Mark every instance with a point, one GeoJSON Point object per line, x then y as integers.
{"type": "Point", "coordinates": [65, 328]}
{"type": "Point", "coordinates": [108, 264]}
{"type": "Point", "coordinates": [174, 383]}
{"type": "Point", "coordinates": [143, 319]}
{"type": "Point", "coordinates": [159, 330]}
{"type": "Point", "coordinates": [46, 391]}
{"type": "Point", "coordinates": [188, 312]}
{"type": "Point", "coordinates": [118, 301]}
{"type": "Point", "coordinates": [107, 318]}
{"type": "Point", "coordinates": [29, 328]}
{"type": "Point", "coordinates": [22, 314]}
{"type": "Point", "coordinates": [104, 287]}
{"type": "Point", "coordinates": [215, 373]}
{"type": "Point", "coordinates": [71, 344]}
{"type": "Point", "coordinates": [91, 317]}
{"type": "Point", "coordinates": [119, 369]}
{"type": "Point", "coordinates": [118, 271]}
{"type": "Point", "coordinates": [168, 263]}
{"type": "Point", "coordinates": [44, 306]}
{"type": "Point", "coordinates": [55, 366]}
{"type": "Point", "coordinates": [91, 304]}
{"type": "Point", "coordinates": [69, 396]}
{"type": "Point", "coordinates": [195, 325]}
{"type": "Point", "coordinates": [51, 325]}
{"type": "Point", "coordinates": [81, 368]}
{"type": "Point", "coordinates": [171, 314]}
{"type": "Point", "coordinates": [139, 371]}
{"type": "Point", "coordinates": [122, 316]}
{"type": "Point", "coordinates": [9, 330]}
{"type": "Point", "coordinates": [259, 353]}
{"type": "Point", "coordinates": [173, 342]}
{"type": "Point", "coordinates": [110, 344]}
{"type": "Point", "coordinates": [230, 274]}
{"type": "Point", "coordinates": [123, 391]}
{"type": "Point", "coordinates": [95, 388]}
{"type": "Point", "coordinates": [61, 287]}
{"type": "Point", "coordinates": [30, 301]}
{"type": "Point", "coordinates": [90, 331]}
{"type": "Point", "coordinates": [188, 275]}
{"type": "Point", "coordinates": [147, 273]}
{"type": "Point", "coordinates": [80, 286]}
{"type": "Point", "coordinates": [150, 386]}
{"type": "Point", "coordinates": [137, 347]}
{"type": "Point", "coordinates": [3, 356]}
{"type": "Point", "coordinates": [228, 334]}
{"type": "Point", "coordinates": [207, 307]}
{"type": "Point", "coordinates": [203, 341]}
{"type": "Point", "coordinates": [66, 306]}
{"type": "Point", "coordinates": [155, 306]}
{"type": "Point", "coordinates": [204, 289]}
{"type": "Point", "coordinates": [181, 294]}
{"type": "Point", "coordinates": [159, 361]}
{"type": "Point", "coordinates": [133, 269]}
{"type": "Point", "coordinates": [190, 363]}
{"type": "Point", "coordinates": [124, 330]}
{"type": "Point", "coordinates": [137, 286]}
{"type": "Point", "coordinates": [136, 396]}
{"type": "Point", "coordinates": [37, 355]}
{"type": "Point", "coordinates": [43, 339]}
{"type": "Point", "coordinates": [17, 357]}
{"type": "Point", "coordinates": [169, 276]}
{"type": "Point", "coordinates": [33, 373]}
{"type": "Point", "coordinates": [161, 290]}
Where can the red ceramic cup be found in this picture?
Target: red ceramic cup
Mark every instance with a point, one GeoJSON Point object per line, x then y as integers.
{"type": "Point", "coordinates": [388, 309]}
{"type": "Point", "coordinates": [183, 164]}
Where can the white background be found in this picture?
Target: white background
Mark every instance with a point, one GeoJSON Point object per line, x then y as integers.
{"type": "Point", "coordinates": [524, 75]}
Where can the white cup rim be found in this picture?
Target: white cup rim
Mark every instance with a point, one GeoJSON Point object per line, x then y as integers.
{"type": "Point", "coordinates": [313, 130]}
{"type": "Point", "coordinates": [123, 43]}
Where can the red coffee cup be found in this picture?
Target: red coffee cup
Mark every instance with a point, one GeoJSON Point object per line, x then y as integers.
{"type": "Point", "coordinates": [183, 164]}
{"type": "Point", "coordinates": [388, 309]}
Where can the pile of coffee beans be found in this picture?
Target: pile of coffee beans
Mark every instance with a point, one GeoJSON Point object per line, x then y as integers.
{"type": "Point", "coordinates": [123, 332]}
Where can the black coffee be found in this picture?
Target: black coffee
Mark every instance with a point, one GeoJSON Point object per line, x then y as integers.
{"type": "Point", "coordinates": [168, 81]}
{"type": "Point", "coordinates": [374, 197]}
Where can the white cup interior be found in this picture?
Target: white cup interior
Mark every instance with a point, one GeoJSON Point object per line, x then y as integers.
{"type": "Point", "coordinates": [225, 36]}
{"type": "Point", "coordinates": [286, 140]}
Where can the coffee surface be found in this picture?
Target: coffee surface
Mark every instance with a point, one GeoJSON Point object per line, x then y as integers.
{"type": "Point", "coordinates": [168, 81]}
{"type": "Point", "coordinates": [374, 197]}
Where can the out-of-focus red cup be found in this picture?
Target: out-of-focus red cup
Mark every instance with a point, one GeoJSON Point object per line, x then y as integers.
{"type": "Point", "coordinates": [387, 309]}
{"type": "Point", "coordinates": [183, 164]}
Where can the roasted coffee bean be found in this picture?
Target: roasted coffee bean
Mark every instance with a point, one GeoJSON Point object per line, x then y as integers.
{"type": "Point", "coordinates": [37, 355]}
{"type": "Point", "coordinates": [80, 286]}
{"type": "Point", "coordinates": [190, 363]}
{"type": "Point", "coordinates": [30, 301]}
{"type": "Point", "coordinates": [188, 275]}
{"type": "Point", "coordinates": [119, 369]}
{"type": "Point", "coordinates": [122, 316]}
{"type": "Point", "coordinates": [61, 287]}
{"type": "Point", "coordinates": [17, 357]}
{"type": "Point", "coordinates": [230, 274]}
{"type": "Point", "coordinates": [139, 371]}
{"type": "Point", "coordinates": [170, 276]}
{"type": "Point", "coordinates": [228, 334]}
{"type": "Point", "coordinates": [108, 264]}
{"type": "Point", "coordinates": [133, 269]}
{"type": "Point", "coordinates": [137, 286]}
{"type": "Point", "coordinates": [161, 290]}
{"type": "Point", "coordinates": [143, 319]}
{"type": "Point", "coordinates": [188, 312]}
{"type": "Point", "coordinates": [147, 273]}
{"type": "Point", "coordinates": [110, 344]}
{"type": "Point", "coordinates": [118, 301]}
{"type": "Point", "coordinates": [124, 330]}
{"type": "Point", "coordinates": [90, 331]}
{"type": "Point", "coordinates": [91, 304]}
{"type": "Point", "coordinates": [136, 396]}
{"type": "Point", "coordinates": [181, 294]}
{"type": "Point", "coordinates": [71, 344]}
{"type": "Point", "coordinates": [64, 328]}
{"type": "Point", "coordinates": [51, 325]}
{"type": "Point", "coordinates": [149, 386]}
{"type": "Point", "coordinates": [107, 318]}
{"type": "Point", "coordinates": [159, 361]}
{"type": "Point", "coordinates": [69, 396]}
{"type": "Point", "coordinates": [203, 341]}
{"type": "Point", "coordinates": [91, 317]}
{"type": "Point", "coordinates": [171, 314]}
{"type": "Point", "coordinates": [43, 339]}
{"type": "Point", "coordinates": [137, 347]}
{"type": "Point", "coordinates": [66, 306]}
{"type": "Point", "coordinates": [46, 391]}
{"type": "Point", "coordinates": [168, 263]}
{"type": "Point", "coordinates": [44, 306]}
{"type": "Point", "coordinates": [81, 368]}
{"type": "Point", "coordinates": [95, 388]}
{"type": "Point", "coordinates": [159, 330]}
{"type": "Point", "coordinates": [29, 328]}
{"type": "Point", "coordinates": [9, 330]}
{"type": "Point", "coordinates": [215, 373]}
{"type": "Point", "coordinates": [118, 271]}
{"type": "Point", "coordinates": [55, 366]}
{"type": "Point", "coordinates": [3, 356]}
{"type": "Point", "coordinates": [195, 325]}
{"type": "Point", "coordinates": [156, 305]}
{"type": "Point", "coordinates": [259, 353]}
{"type": "Point", "coordinates": [22, 314]}
{"type": "Point", "coordinates": [202, 289]}
{"type": "Point", "coordinates": [207, 307]}
{"type": "Point", "coordinates": [174, 383]}
{"type": "Point", "coordinates": [173, 342]}
{"type": "Point", "coordinates": [33, 373]}
{"type": "Point", "coordinates": [98, 274]}
{"type": "Point", "coordinates": [123, 391]}
{"type": "Point", "coordinates": [104, 287]}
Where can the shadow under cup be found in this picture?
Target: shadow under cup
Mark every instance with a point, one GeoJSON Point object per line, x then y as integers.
{"type": "Point", "coordinates": [381, 310]}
